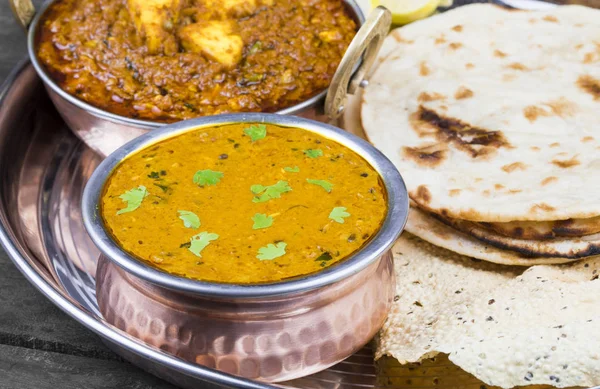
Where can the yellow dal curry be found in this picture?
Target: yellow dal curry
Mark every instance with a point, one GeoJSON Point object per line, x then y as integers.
{"type": "Point", "coordinates": [243, 203]}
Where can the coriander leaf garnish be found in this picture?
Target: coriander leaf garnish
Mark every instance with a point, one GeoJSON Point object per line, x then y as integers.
{"type": "Point", "coordinates": [207, 177]}
{"type": "Point", "coordinates": [256, 189]}
{"type": "Point", "coordinates": [154, 175]}
{"type": "Point", "coordinates": [294, 169]}
{"type": "Point", "coordinates": [256, 132]}
{"type": "Point", "coordinates": [164, 188]}
{"type": "Point", "coordinates": [133, 198]}
{"type": "Point", "coordinates": [190, 219]}
{"type": "Point", "coordinates": [200, 241]}
{"type": "Point", "coordinates": [265, 193]}
{"type": "Point", "coordinates": [261, 221]}
{"type": "Point", "coordinates": [271, 251]}
{"type": "Point", "coordinates": [328, 186]}
{"type": "Point", "coordinates": [314, 153]}
{"type": "Point", "coordinates": [338, 214]}
{"type": "Point", "coordinates": [255, 48]}
{"type": "Point", "coordinates": [324, 257]}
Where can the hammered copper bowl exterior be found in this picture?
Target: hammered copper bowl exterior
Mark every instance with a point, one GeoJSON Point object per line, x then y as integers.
{"type": "Point", "coordinates": [268, 339]}
{"type": "Point", "coordinates": [275, 331]}
{"type": "Point", "coordinates": [104, 132]}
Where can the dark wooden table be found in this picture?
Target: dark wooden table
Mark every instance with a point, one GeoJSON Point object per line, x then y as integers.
{"type": "Point", "coordinates": [40, 346]}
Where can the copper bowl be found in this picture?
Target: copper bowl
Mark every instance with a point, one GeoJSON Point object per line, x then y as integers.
{"type": "Point", "coordinates": [104, 131]}
{"type": "Point", "coordinates": [271, 332]}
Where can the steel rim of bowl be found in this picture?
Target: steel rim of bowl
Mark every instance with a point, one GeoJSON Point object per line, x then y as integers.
{"type": "Point", "coordinates": [397, 203]}
{"type": "Point", "coordinates": [49, 82]}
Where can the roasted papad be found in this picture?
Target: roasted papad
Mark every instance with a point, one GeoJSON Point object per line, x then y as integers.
{"type": "Point", "coordinates": [508, 326]}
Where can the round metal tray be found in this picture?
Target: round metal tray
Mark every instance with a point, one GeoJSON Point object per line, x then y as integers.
{"type": "Point", "coordinates": [43, 169]}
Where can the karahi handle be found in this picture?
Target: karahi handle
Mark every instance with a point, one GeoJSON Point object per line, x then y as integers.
{"type": "Point", "coordinates": [366, 44]}
{"type": "Point", "coordinates": [24, 11]}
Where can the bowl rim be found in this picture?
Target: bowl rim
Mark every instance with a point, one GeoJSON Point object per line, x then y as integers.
{"type": "Point", "coordinates": [351, 5]}
{"type": "Point", "coordinates": [393, 224]}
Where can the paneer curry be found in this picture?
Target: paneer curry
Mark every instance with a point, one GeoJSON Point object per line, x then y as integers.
{"type": "Point", "coordinates": [168, 60]}
{"type": "Point", "coordinates": [243, 203]}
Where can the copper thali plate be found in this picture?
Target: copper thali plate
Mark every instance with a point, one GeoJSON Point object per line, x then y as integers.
{"type": "Point", "coordinates": [43, 170]}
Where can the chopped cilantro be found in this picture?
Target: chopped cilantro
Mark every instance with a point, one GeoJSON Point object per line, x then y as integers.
{"type": "Point", "coordinates": [294, 169]}
{"type": "Point", "coordinates": [314, 153]}
{"type": "Point", "coordinates": [186, 245]}
{"type": "Point", "coordinates": [200, 241]}
{"type": "Point", "coordinates": [265, 193]}
{"type": "Point", "coordinates": [133, 198]}
{"type": "Point", "coordinates": [164, 188]}
{"type": "Point", "coordinates": [324, 257]}
{"type": "Point", "coordinates": [190, 219]}
{"type": "Point", "coordinates": [207, 177]}
{"type": "Point", "coordinates": [153, 175]}
{"type": "Point", "coordinates": [338, 214]}
{"type": "Point", "coordinates": [190, 107]}
{"type": "Point", "coordinates": [261, 221]}
{"type": "Point", "coordinates": [256, 132]}
{"type": "Point", "coordinates": [328, 186]}
{"type": "Point", "coordinates": [271, 251]}
{"type": "Point", "coordinates": [255, 48]}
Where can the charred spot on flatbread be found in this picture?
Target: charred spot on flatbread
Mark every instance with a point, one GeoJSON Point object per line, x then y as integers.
{"type": "Point", "coordinates": [457, 28]}
{"type": "Point", "coordinates": [565, 164]}
{"type": "Point", "coordinates": [514, 166]}
{"type": "Point", "coordinates": [550, 18]}
{"type": "Point", "coordinates": [422, 195]}
{"type": "Point", "coordinates": [570, 228]}
{"type": "Point", "coordinates": [429, 155]}
{"type": "Point", "coordinates": [475, 141]}
{"type": "Point", "coordinates": [548, 180]}
{"type": "Point", "coordinates": [424, 69]}
{"type": "Point", "coordinates": [542, 207]}
{"type": "Point", "coordinates": [561, 107]}
{"type": "Point", "coordinates": [440, 39]}
{"type": "Point", "coordinates": [589, 85]}
{"type": "Point", "coordinates": [463, 93]}
{"type": "Point", "coordinates": [589, 58]}
{"type": "Point", "coordinates": [518, 66]}
{"type": "Point", "coordinates": [425, 97]}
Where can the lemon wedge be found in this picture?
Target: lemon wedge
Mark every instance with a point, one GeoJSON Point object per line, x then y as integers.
{"type": "Point", "coordinates": [406, 11]}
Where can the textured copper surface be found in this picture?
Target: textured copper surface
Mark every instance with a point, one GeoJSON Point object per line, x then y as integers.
{"type": "Point", "coordinates": [269, 339]}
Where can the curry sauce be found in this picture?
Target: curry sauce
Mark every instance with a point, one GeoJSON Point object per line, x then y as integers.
{"type": "Point", "coordinates": [243, 203]}
{"type": "Point", "coordinates": [168, 60]}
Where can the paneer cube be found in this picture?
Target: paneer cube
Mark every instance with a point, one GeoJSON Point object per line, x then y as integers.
{"type": "Point", "coordinates": [235, 8]}
{"type": "Point", "coordinates": [215, 40]}
{"type": "Point", "coordinates": [330, 36]}
{"type": "Point", "coordinates": [154, 19]}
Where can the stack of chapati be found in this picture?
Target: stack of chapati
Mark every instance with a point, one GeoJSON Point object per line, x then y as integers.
{"type": "Point", "coordinates": [493, 118]}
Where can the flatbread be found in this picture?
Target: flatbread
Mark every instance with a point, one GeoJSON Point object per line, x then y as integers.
{"type": "Point", "coordinates": [546, 229]}
{"type": "Point", "coordinates": [570, 247]}
{"type": "Point", "coordinates": [434, 231]}
{"type": "Point", "coordinates": [492, 115]}
{"type": "Point", "coordinates": [506, 326]}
